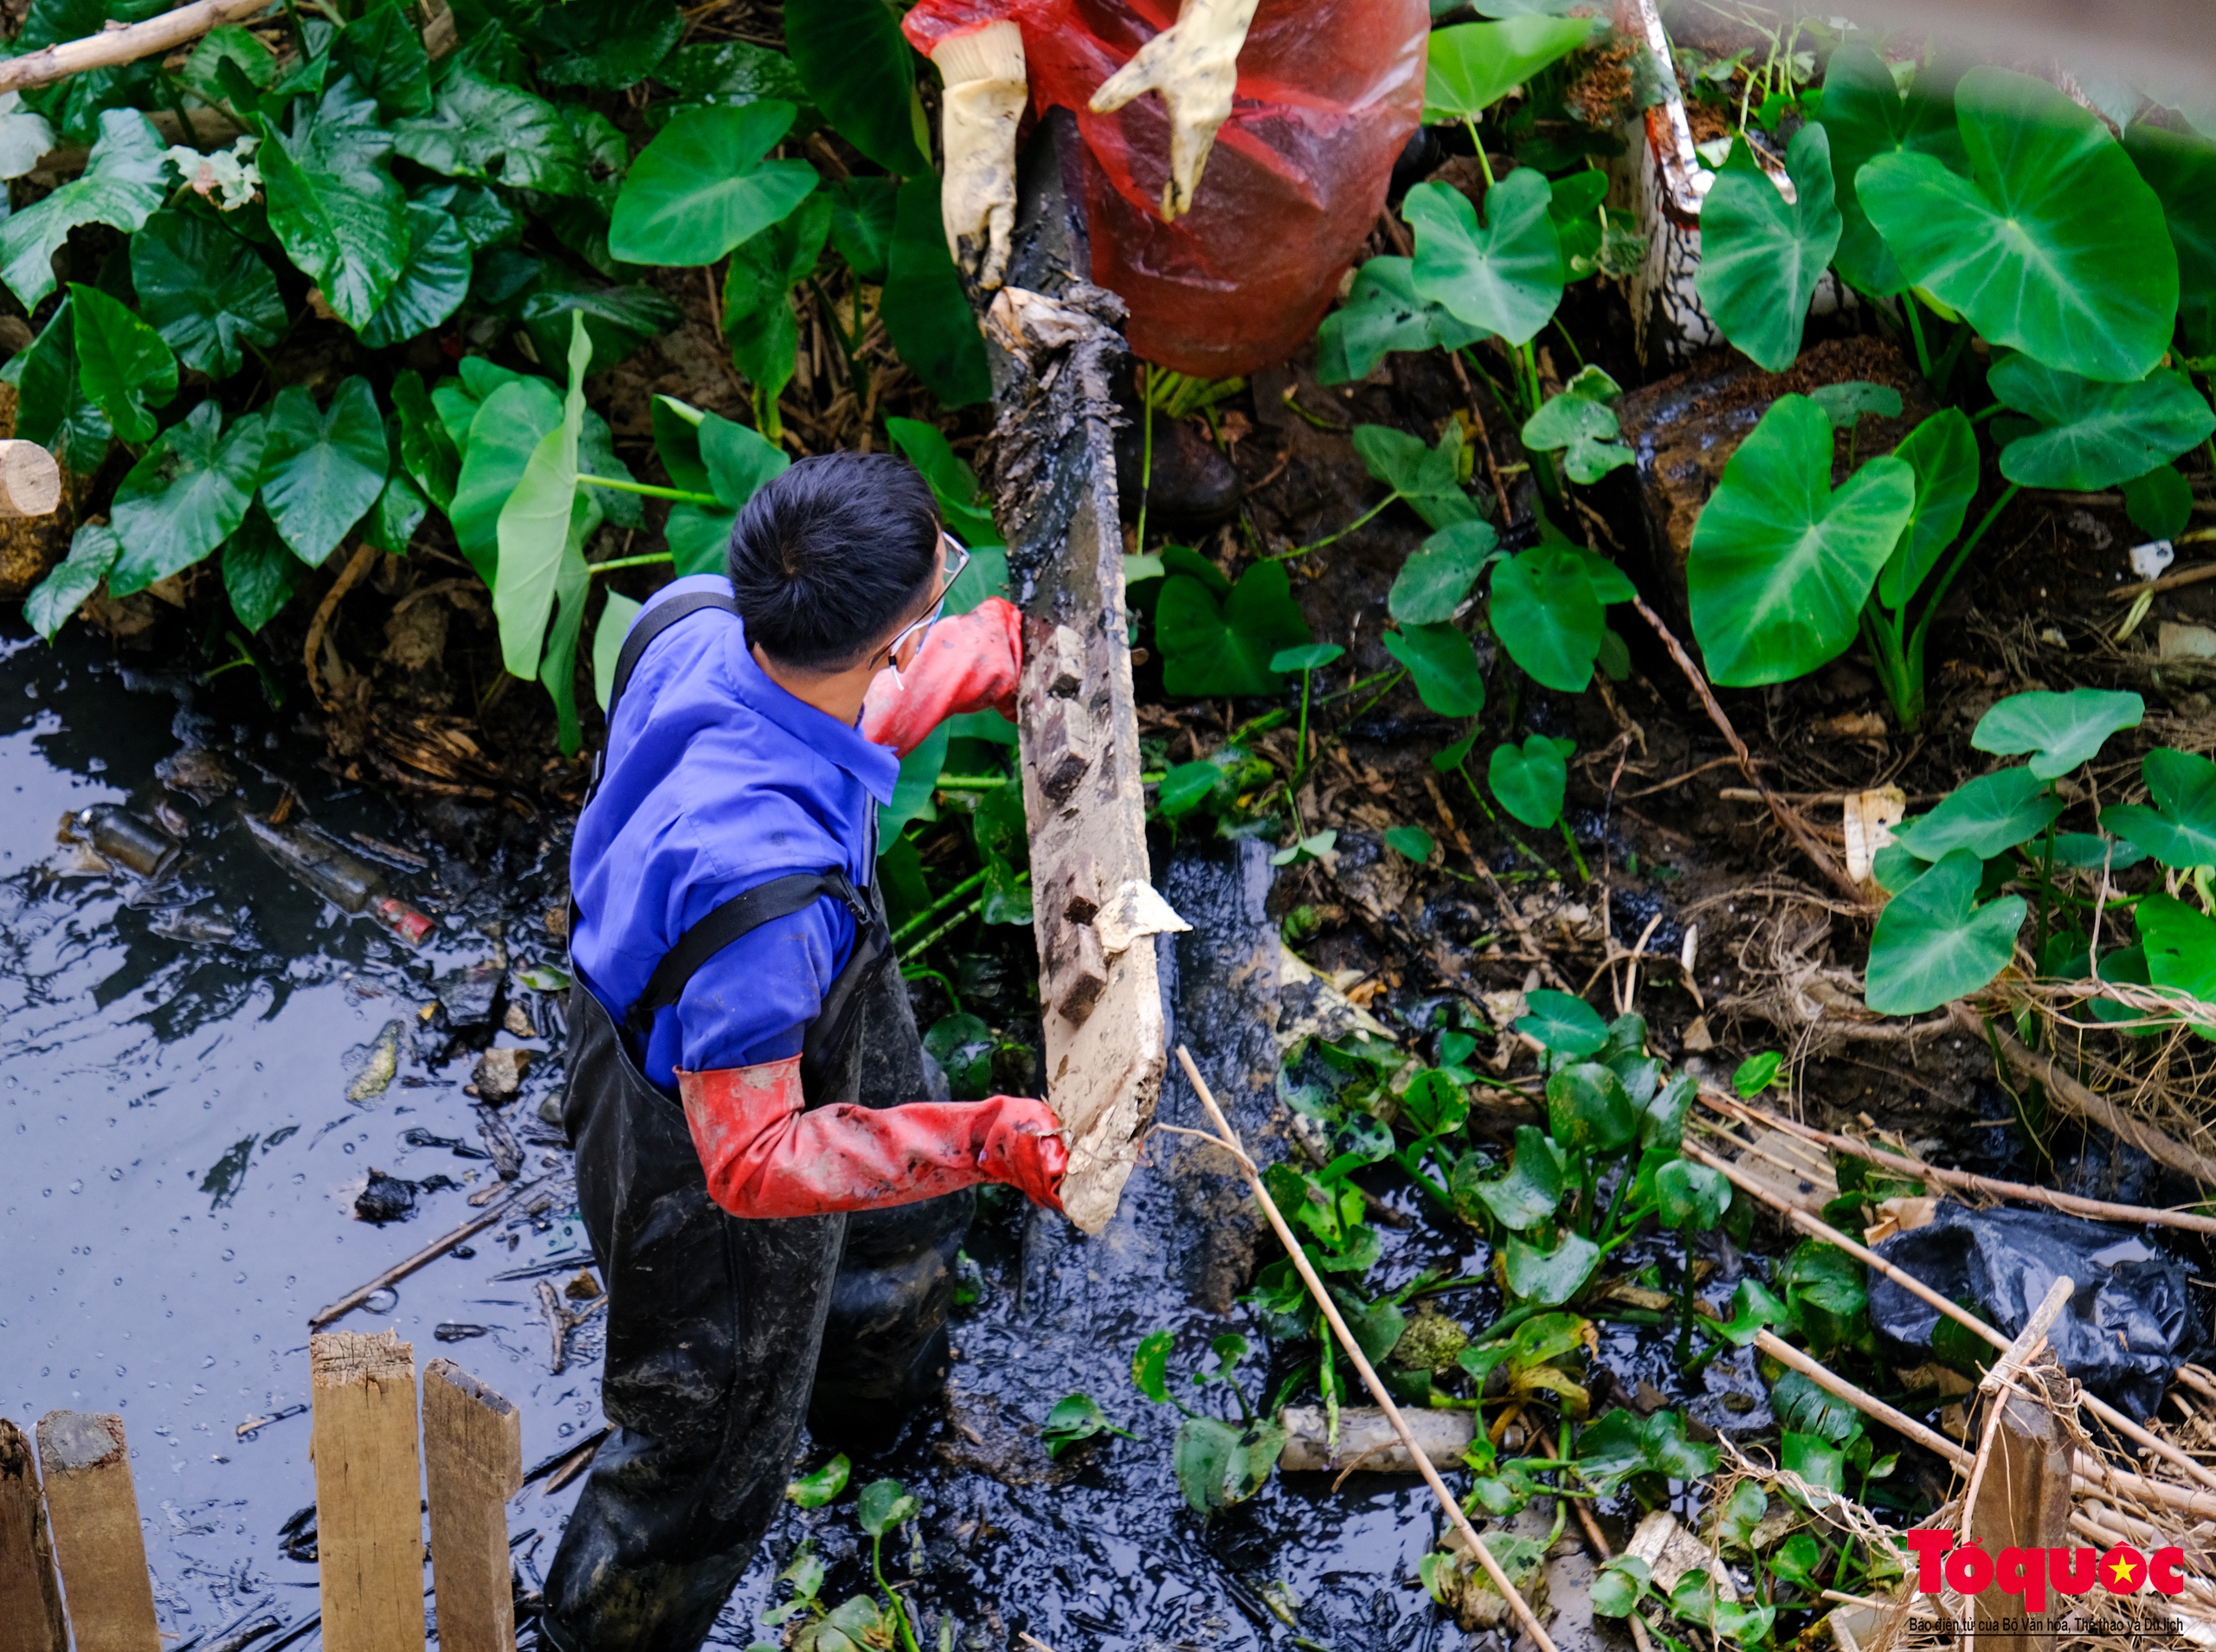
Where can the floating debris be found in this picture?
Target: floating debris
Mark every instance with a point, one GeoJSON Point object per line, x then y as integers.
{"type": "Point", "coordinates": [420, 1137]}
{"type": "Point", "coordinates": [471, 997]}
{"type": "Point", "coordinates": [453, 1331]}
{"type": "Point", "coordinates": [386, 1198]}
{"type": "Point", "coordinates": [342, 877]}
{"type": "Point", "coordinates": [126, 839]}
{"type": "Point", "coordinates": [183, 924]}
{"type": "Point", "coordinates": [197, 772]}
{"type": "Point", "coordinates": [253, 1425]}
{"type": "Point", "coordinates": [376, 1074]}
{"type": "Point", "coordinates": [517, 1021]}
{"type": "Point", "coordinates": [499, 1074]}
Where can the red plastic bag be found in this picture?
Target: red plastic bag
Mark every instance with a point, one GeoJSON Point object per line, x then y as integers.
{"type": "Point", "coordinates": [1329, 92]}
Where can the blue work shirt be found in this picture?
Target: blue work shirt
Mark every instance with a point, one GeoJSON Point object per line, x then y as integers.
{"type": "Point", "coordinates": [717, 779]}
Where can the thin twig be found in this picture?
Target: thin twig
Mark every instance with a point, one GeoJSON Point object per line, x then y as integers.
{"type": "Point", "coordinates": [431, 1252]}
{"type": "Point", "coordinates": [2001, 1376]}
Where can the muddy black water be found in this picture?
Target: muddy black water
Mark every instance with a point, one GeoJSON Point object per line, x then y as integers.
{"type": "Point", "coordinates": [200, 1076]}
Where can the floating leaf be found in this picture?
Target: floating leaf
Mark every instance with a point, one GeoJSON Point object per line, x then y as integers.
{"type": "Point", "coordinates": [1444, 665]}
{"type": "Point", "coordinates": [861, 73]}
{"type": "Point", "coordinates": [2094, 434]}
{"type": "Point", "coordinates": [885, 1506]}
{"type": "Point", "coordinates": [1779, 564]}
{"type": "Point", "coordinates": [1548, 1277]}
{"type": "Point", "coordinates": [1218, 1464]}
{"type": "Point", "coordinates": [813, 1490]}
{"type": "Point", "coordinates": [1988, 816]}
{"type": "Point", "coordinates": [926, 314]}
{"type": "Point", "coordinates": [1689, 1195]}
{"type": "Point", "coordinates": [1434, 581]}
{"type": "Point", "coordinates": [2053, 245]}
{"type": "Point", "coordinates": [1529, 1193]}
{"type": "Point", "coordinates": [1588, 1111]}
{"type": "Point", "coordinates": [121, 362]}
{"type": "Point", "coordinates": [1383, 313]}
{"type": "Point", "coordinates": [185, 497]}
{"type": "Point", "coordinates": [1761, 256]}
{"type": "Point", "coordinates": [703, 186]}
{"type": "Point", "coordinates": [1530, 780]}
{"type": "Point", "coordinates": [1867, 114]}
{"type": "Point", "coordinates": [1505, 276]}
{"type": "Point", "coordinates": [1942, 451]}
{"type": "Point", "coordinates": [322, 471]}
{"type": "Point", "coordinates": [205, 290]}
{"type": "Point", "coordinates": [93, 551]}
{"type": "Point", "coordinates": [1621, 1585]}
{"type": "Point", "coordinates": [1211, 650]}
{"type": "Point", "coordinates": [2181, 829]}
{"type": "Point", "coordinates": [1933, 943]}
{"type": "Point", "coordinates": [1471, 67]}
{"type": "Point", "coordinates": [1151, 1366]}
{"type": "Point", "coordinates": [2061, 731]}
{"type": "Point", "coordinates": [121, 187]}
{"type": "Point", "coordinates": [1075, 1418]}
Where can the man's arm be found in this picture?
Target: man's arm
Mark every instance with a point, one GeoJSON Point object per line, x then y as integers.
{"type": "Point", "coordinates": [969, 662]}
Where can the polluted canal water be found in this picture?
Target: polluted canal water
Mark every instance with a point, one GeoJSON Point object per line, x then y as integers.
{"type": "Point", "coordinates": [217, 1080]}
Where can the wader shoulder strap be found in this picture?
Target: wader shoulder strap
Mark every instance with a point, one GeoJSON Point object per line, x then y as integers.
{"type": "Point", "coordinates": [657, 619]}
{"type": "Point", "coordinates": [740, 916]}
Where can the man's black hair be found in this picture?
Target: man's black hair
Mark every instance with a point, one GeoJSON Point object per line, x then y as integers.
{"type": "Point", "coordinates": [828, 556]}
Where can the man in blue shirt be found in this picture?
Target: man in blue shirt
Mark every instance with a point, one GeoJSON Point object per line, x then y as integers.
{"type": "Point", "coordinates": [743, 1066]}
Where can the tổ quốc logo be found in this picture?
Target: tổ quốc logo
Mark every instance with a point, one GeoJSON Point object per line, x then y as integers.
{"type": "Point", "coordinates": [1966, 1569]}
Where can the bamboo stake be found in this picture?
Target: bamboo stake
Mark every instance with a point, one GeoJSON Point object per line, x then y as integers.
{"type": "Point", "coordinates": [114, 45]}
{"type": "Point", "coordinates": [1869, 1404]}
{"type": "Point", "coordinates": [2000, 1377]}
{"type": "Point", "coordinates": [1228, 1140]}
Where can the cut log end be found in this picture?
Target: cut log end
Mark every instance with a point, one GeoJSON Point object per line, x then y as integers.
{"type": "Point", "coordinates": [338, 1358]}
{"type": "Point", "coordinates": [30, 481]}
{"type": "Point", "coordinates": [72, 1442]}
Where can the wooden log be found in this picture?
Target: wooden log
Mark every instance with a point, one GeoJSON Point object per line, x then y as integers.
{"type": "Point", "coordinates": [1368, 1442]}
{"type": "Point", "coordinates": [472, 1459]}
{"type": "Point", "coordinates": [30, 1595]}
{"type": "Point", "coordinates": [113, 47]}
{"type": "Point", "coordinates": [30, 481]}
{"type": "Point", "coordinates": [368, 1491]}
{"type": "Point", "coordinates": [95, 1512]}
{"type": "Point", "coordinates": [2023, 1501]}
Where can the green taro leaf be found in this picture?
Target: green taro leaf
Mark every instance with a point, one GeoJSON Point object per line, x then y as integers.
{"type": "Point", "coordinates": [259, 571]}
{"type": "Point", "coordinates": [534, 530]}
{"type": "Point", "coordinates": [1689, 1195]}
{"type": "Point", "coordinates": [1384, 313]}
{"type": "Point", "coordinates": [616, 616]}
{"type": "Point", "coordinates": [926, 314]}
{"type": "Point", "coordinates": [953, 483]}
{"type": "Point", "coordinates": [1529, 1193]}
{"type": "Point", "coordinates": [226, 42]}
{"type": "Point", "coordinates": [1761, 255]}
{"type": "Point", "coordinates": [505, 430]}
{"type": "Point", "coordinates": [861, 73]}
{"type": "Point", "coordinates": [962, 1046]}
{"type": "Point", "coordinates": [703, 186]}
{"type": "Point", "coordinates": [1074, 1417]}
{"type": "Point", "coordinates": [479, 128]}
{"type": "Point", "coordinates": [1942, 451]}
{"type": "Point", "coordinates": [2180, 168]}
{"type": "Point", "coordinates": [1781, 564]}
{"type": "Point", "coordinates": [885, 1506]}
{"type": "Point", "coordinates": [1815, 1459]}
{"type": "Point", "coordinates": [1988, 816]}
{"type": "Point", "coordinates": [1505, 277]}
{"type": "Point", "coordinates": [733, 73]}
{"type": "Point", "coordinates": [1443, 663]}
{"type": "Point", "coordinates": [1588, 1111]}
{"type": "Point", "coordinates": [1308, 657]}
{"type": "Point", "coordinates": [1210, 650]}
{"type": "Point", "coordinates": [185, 497]}
{"type": "Point", "coordinates": [1867, 114]}
{"type": "Point", "coordinates": [1662, 1121]}
{"type": "Point", "coordinates": [1428, 477]}
{"type": "Point", "coordinates": [2180, 949]}
{"type": "Point", "coordinates": [333, 205]}
{"type": "Point", "coordinates": [862, 214]}
{"type": "Point", "coordinates": [382, 50]}
{"type": "Point", "coordinates": [1549, 617]}
{"type": "Point", "coordinates": [205, 290]}
{"type": "Point", "coordinates": [1738, 1515]}
{"type": "Point", "coordinates": [1934, 944]}
{"type": "Point", "coordinates": [93, 551]}
{"type": "Point", "coordinates": [608, 44]}
{"type": "Point", "coordinates": [2093, 434]}
{"type": "Point", "coordinates": [2159, 504]}
{"type": "Point", "coordinates": [618, 319]}
{"type": "Point", "coordinates": [2062, 730]}
{"type": "Point", "coordinates": [322, 471]}
{"type": "Point", "coordinates": [121, 362]}
{"type": "Point", "coordinates": [432, 280]}
{"type": "Point", "coordinates": [1796, 1560]}
{"type": "Point", "coordinates": [1567, 1026]}
{"type": "Point", "coordinates": [392, 521]}
{"type": "Point", "coordinates": [1622, 1583]}
{"type": "Point", "coordinates": [1845, 402]}
{"type": "Point", "coordinates": [1581, 424]}
{"type": "Point", "coordinates": [758, 317]}
{"type": "Point", "coordinates": [1530, 780]}
{"type": "Point", "coordinates": [1471, 67]}
{"type": "Point", "coordinates": [121, 186]}
{"type": "Point", "coordinates": [1548, 1277]}
{"type": "Point", "coordinates": [52, 408]}
{"type": "Point", "coordinates": [2052, 245]}
{"type": "Point", "coordinates": [427, 452]}
{"type": "Point", "coordinates": [1806, 1409]}
{"type": "Point", "coordinates": [2181, 829]}
{"type": "Point", "coordinates": [478, 211]}
{"type": "Point", "coordinates": [1433, 582]}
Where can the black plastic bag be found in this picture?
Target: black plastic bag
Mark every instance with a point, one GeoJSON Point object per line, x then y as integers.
{"type": "Point", "coordinates": [2127, 1328]}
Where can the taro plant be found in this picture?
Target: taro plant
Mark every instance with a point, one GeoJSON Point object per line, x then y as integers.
{"type": "Point", "coordinates": [861, 1623]}
{"type": "Point", "coordinates": [1217, 1462]}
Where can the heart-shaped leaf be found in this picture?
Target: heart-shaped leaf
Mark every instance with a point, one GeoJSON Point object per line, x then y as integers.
{"type": "Point", "coordinates": [1933, 943]}
{"type": "Point", "coordinates": [392, 521]}
{"type": "Point", "coordinates": [322, 471]}
{"type": "Point", "coordinates": [205, 290]}
{"type": "Point", "coordinates": [185, 497]}
{"type": "Point", "coordinates": [862, 214]}
{"type": "Point", "coordinates": [92, 550]}
{"type": "Point", "coordinates": [1528, 1194]}
{"type": "Point", "coordinates": [121, 186]}
{"type": "Point", "coordinates": [52, 408]}
{"type": "Point", "coordinates": [506, 429]}
{"type": "Point", "coordinates": [861, 73]}
{"type": "Point", "coordinates": [122, 362]}
{"type": "Point", "coordinates": [1621, 1585]}
{"type": "Point", "coordinates": [333, 205]}
{"type": "Point", "coordinates": [1505, 277]}
{"type": "Point", "coordinates": [1305, 657]}
{"type": "Point", "coordinates": [1212, 649]}
{"type": "Point", "coordinates": [1761, 255]}
{"type": "Point", "coordinates": [1531, 781]}
{"type": "Point", "coordinates": [1567, 1026]}
{"type": "Point", "coordinates": [1471, 67]}
{"type": "Point", "coordinates": [2053, 244]}
{"type": "Point", "coordinates": [2063, 730]}
{"type": "Point", "coordinates": [427, 452]}
{"type": "Point", "coordinates": [884, 1506]}
{"type": "Point", "coordinates": [1548, 1277]}
{"type": "Point", "coordinates": [953, 483]}
{"type": "Point", "coordinates": [1588, 1111]}
{"type": "Point", "coordinates": [1582, 425]}
{"type": "Point", "coordinates": [1444, 665]}
{"type": "Point", "coordinates": [2180, 949]}
{"type": "Point", "coordinates": [702, 186]}
{"type": "Point", "coordinates": [1987, 816]}
{"type": "Point", "coordinates": [259, 571]}
{"type": "Point", "coordinates": [1780, 564]}
{"type": "Point", "coordinates": [1384, 313]}
{"type": "Point", "coordinates": [2159, 504]}
{"type": "Point", "coordinates": [1942, 452]}
{"type": "Point", "coordinates": [926, 314]}
{"type": "Point", "coordinates": [1433, 584]}
{"type": "Point", "coordinates": [1547, 616]}
{"type": "Point", "coordinates": [2181, 829]}
{"type": "Point", "coordinates": [1411, 841]}
{"type": "Point", "coordinates": [610, 44]}
{"type": "Point", "coordinates": [2093, 434]}
{"type": "Point", "coordinates": [432, 280]}
{"type": "Point", "coordinates": [1867, 114]}
{"type": "Point", "coordinates": [1688, 1195]}
{"type": "Point", "coordinates": [1847, 402]}
{"type": "Point", "coordinates": [483, 129]}
{"type": "Point", "coordinates": [1428, 477]}
{"type": "Point", "coordinates": [382, 49]}
{"type": "Point", "coordinates": [478, 211]}
{"type": "Point", "coordinates": [2180, 168]}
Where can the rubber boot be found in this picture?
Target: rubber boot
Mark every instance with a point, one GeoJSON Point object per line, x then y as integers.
{"type": "Point", "coordinates": [1189, 484]}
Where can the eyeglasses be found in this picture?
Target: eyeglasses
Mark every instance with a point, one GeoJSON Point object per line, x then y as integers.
{"type": "Point", "coordinates": [953, 558]}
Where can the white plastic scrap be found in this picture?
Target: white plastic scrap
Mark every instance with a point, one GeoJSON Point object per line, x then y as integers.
{"type": "Point", "coordinates": [1135, 910]}
{"type": "Point", "coordinates": [2148, 561]}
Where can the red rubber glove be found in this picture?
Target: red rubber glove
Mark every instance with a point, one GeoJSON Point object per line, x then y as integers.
{"type": "Point", "coordinates": [766, 1156]}
{"type": "Point", "coordinates": [968, 662]}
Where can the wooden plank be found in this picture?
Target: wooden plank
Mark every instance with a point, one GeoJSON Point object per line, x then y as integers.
{"type": "Point", "coordinates": [95, 1512]}
{"type": "Point", "coordinates": [368, 1491]}
{"type": "Point", "coordinates": [1054, 345]}
{"type": "Point", "coordinates": [2023, 1501]}
{"type": "Point", "coordinates": [473, 1458]}
{"type": "Point", "coordinates": [30, 1594]}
